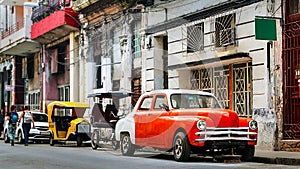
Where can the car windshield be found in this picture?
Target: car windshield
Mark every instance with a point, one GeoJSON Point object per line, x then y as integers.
{"type": "Point", "coordinates": [40, 117]}
{"type": "Point", "coordinates": [193, 101]}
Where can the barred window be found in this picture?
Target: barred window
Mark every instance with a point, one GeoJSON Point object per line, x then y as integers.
{"type": "Point", "coordinates": [34, 100]}
{"type": "Point", "coordinates": [136, 40]}
{"type": "Point", "coordinates": [64, 93]}
{"type": "Point", "coordinates": [225, 30]}
{"type": "Point", "coordinates": [216, 80]}
{"type": "Point", "coordinates": [195, 38]}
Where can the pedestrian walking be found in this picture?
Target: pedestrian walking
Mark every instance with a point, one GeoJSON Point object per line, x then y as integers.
{"type": "Point", "coordinates": [2, 117]}
{"type": "Point", "coordinates": [12, 116]}
{"type": "Point", "coordinates": [26, 125]}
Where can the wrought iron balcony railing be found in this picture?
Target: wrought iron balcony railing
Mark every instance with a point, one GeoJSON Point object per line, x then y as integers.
{"type": "Point", "coordinates": [42, 11]}
{"type": "Point", "coordinates": [12, 29]}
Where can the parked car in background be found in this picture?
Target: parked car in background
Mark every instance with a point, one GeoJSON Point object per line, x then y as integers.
{"type": "Point", "coordinates": [37, 134]}
{"type": "Point", "coordinates": [186, 121]}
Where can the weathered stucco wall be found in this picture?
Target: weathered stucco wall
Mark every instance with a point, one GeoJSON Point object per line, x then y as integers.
{"type": "Point", "coordinates": [266, 127]}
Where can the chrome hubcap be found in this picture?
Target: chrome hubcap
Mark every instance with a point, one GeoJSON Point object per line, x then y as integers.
{"type": "Point", "coordinates": [178, 147]}
{"type": "Point", "coordinates": [125, 144]}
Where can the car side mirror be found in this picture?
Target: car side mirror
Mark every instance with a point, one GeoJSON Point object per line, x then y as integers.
{"type": "Point", "coordinates": [164, 106]}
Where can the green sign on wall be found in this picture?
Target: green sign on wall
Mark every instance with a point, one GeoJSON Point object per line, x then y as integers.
{"type": "Point", "coordinates": [265, 29]}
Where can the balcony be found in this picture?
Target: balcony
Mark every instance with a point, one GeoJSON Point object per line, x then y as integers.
{"type": "Point", "coordinates": [79, 5]}
{"type": "Point", "coordinates": [53, 22]}
{"type": "Point", "coordinates": [15, 39]}
{"type": "Point", "coordinates": [88, 6]}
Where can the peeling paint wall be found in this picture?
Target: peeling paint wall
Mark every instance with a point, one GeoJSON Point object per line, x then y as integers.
{"type": "Point", "coordinates": [266, 119]}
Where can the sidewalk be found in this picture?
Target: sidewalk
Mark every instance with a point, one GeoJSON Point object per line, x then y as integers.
{"type": "Point", "coordinates": [277, 157]}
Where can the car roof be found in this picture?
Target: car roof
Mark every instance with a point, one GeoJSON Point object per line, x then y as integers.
{"type": "Point", "coordinates": [172, 91]}
{"type": "Point", "coordinates": [68, 104]}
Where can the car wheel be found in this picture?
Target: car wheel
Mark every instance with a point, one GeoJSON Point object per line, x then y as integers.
{"type": "Point", "coordinates": [127, 148]}
{"type": "Point", "coordinates": [78, 141]}
{"type": "Point", "coordinates": [20, 139]}
{"type": "Point", "coordinates": [248, 153]}
{"type": "Point", "coordinates": [95, 140]}
{"type": "Point", "coordinates": [6, 138]}
{"type": "Point", "coordinates": [181, 147]}
{"type": "Point", "coordinates": [51, 141]}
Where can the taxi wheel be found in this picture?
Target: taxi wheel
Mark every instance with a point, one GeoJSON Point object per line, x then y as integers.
{"type": "Point", "coordinates": [20, 139]}
{"type": "Point", "coordinates": [181, 147]}
{"type": "Point", "coordinates": [78, 141]}
{"type": "Point", "coordinates": [52, 141]}
{"type": "Point", "coordinates": [127, 148]}
{"type": "Point", "coordinates": [95, 140]}
{"type": "Point", "coordinates": [6, 138]}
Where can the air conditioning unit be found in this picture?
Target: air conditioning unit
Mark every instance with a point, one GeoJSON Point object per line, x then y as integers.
{"type": "Point", "coordinates": [145, 2]}
{"type": "Point", "coordinates": [227, 37]}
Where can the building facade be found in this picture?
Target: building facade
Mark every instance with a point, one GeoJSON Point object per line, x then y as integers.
{"type": "Point", "coordinates": [56, 27]}
{"type": "Point", "coordinates": [212, 46]}
{"type": "Point", "coordinates": [111, 48]}
{"type": "Point", "coordinates": [17, 51]}
{"type": "Point", "coordinates": [74, 48]}
{"type": "Point", "coordinates": [289, 133]}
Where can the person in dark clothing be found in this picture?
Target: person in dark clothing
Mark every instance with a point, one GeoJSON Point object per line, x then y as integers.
{"type": "Point", "coordinates": [27, 120]}
{"type": "Point", "coordinates": [2, 117]}
{"type": "Point", "coordinates": [12, 116]}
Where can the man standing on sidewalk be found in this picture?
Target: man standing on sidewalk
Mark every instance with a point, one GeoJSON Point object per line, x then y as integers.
{"type": "Point", "coordinates": [2, 117]}
{"type": "Point", "coordinates": [12, 116]}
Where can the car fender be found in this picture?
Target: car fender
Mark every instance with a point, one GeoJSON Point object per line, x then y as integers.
{"type": "Point", "coordinates": [126, 125]}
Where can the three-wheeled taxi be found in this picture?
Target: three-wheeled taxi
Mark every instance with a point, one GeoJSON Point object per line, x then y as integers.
{"type": "Point", "coordinates": [104, 116]}
{"type": "Point", "coordinates": [66, 122]}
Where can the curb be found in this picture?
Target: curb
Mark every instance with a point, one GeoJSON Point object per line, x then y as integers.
{"type": "Point", "coordinates": [277, 160]}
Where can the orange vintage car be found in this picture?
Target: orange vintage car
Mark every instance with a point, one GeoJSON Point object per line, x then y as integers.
{"type": "Point", "coordinates": [185, 122]}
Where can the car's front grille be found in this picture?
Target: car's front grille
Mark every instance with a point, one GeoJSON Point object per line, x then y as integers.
{"type": "Point", "coordinates": [41, 128]}
{"type": "Point", "coordinates": [219, 134]}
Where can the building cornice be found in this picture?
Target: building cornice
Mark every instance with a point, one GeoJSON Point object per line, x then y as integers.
{"type": "Point", "coordinates": [198, 15]}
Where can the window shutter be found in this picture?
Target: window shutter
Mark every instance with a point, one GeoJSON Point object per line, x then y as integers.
{"type": "Point", "coordinates": [54, 58]}
{"type": "Point", "coordinates": [24, 67]}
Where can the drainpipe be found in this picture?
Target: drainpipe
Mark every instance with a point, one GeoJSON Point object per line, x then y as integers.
{"type": "Point", "coordinates": [43, 93]}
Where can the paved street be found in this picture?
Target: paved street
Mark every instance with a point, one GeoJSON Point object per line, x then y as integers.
{"type": "Point", "coordinates": [42, 156]}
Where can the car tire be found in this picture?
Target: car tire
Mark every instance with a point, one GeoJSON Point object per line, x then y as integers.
{"type": "Point", "coordinates": [95, 140]}
{"type": "Point", "coordinates": [248, 153]}
{"type": "Point", "coordinates": [78, 141]}
{"type": "Point", "coordinates": [6, 138]}
{"type": "Point", "coordinates": [127, 148]}
{"type": "Point", "coordinates": [20, 139]}
{"type": "Point", "coordinates": [181, 147]}
{"type": "Point", "coordinates": [51, 141]}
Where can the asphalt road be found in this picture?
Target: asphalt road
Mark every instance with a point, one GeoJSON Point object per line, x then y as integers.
{"type": "Point", "coordinates": [43, 156]}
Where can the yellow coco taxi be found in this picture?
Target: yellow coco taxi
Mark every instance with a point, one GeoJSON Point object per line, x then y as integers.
{"type": "Point", "coordinates": [66, 122]}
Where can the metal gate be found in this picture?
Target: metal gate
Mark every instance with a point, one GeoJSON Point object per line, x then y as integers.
{"type": "Point", "coordinates": [291, 76]}
{"type": "Point", "coordinates": [230, 84]}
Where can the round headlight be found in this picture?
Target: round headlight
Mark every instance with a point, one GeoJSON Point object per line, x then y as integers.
{"type": "Point", "coordinates": [201, 125]}
{"type": "Point", "coordinates": [253, 125]}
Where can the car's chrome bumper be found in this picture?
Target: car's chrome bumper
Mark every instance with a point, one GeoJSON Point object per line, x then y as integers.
{"type": "Point", "coordinates": [39, 135]}
{"type": "Point", "coordinates": [223, 134]}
